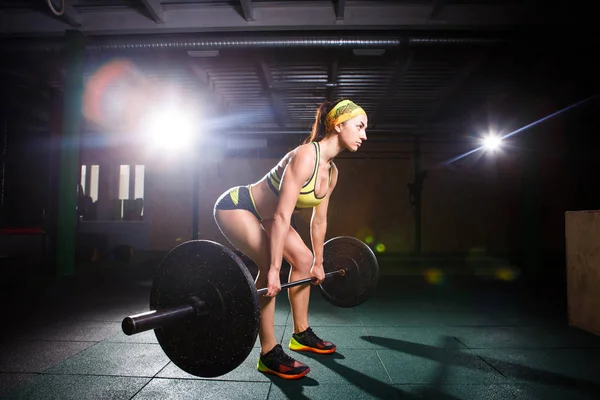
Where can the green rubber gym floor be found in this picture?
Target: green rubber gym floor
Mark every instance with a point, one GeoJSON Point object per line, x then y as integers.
{"type": "Point", "coordinates": [462, 338]}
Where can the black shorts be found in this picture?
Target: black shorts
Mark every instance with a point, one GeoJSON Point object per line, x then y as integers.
{"type": "Point", "coordinates": [237, 198]}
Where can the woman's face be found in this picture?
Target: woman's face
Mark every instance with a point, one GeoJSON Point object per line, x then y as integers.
{"type": "Point", "coordinates": [353, 132]}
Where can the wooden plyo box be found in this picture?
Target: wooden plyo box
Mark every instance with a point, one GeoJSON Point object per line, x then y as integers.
{"type": "Point", "coordinates": [582, 235]}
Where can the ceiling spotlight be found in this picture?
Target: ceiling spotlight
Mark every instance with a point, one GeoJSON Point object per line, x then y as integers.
{"type": "Point", "coordinates": [492, 142]}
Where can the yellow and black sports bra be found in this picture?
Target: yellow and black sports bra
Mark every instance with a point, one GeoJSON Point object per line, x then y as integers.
{"type": "Point", "coordinates": [307, 197]}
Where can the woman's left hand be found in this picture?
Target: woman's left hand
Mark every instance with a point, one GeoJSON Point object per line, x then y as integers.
{"type": "Point", "coordinates": [317, 272]}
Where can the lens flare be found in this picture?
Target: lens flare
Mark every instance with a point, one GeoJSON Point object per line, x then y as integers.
{"type": "Point", "coordinates": [452, 160]}
{"type": "Point", "coordinates": [492, 142]}
{"type": "Point", "coordinates": [169, 128]}
{"type": "Point", "coordinates": [506, 274]}
{"type": "Point", "coordinates": [114, 94]}
{"type": "Point", "coordinates": [433, 276]}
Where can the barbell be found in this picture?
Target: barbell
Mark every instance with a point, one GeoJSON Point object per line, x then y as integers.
{"type": "Point", "coordinates": [204, 305]}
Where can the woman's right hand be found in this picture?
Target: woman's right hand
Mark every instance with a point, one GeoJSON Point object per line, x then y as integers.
{"type": "Point", "coordinates": [273, 283]}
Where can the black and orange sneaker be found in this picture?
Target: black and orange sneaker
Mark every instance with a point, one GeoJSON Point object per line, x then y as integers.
{"type": "Point", "coordinates": [278, 363]}
{"type": "Point", "coordinates": [309, 341]}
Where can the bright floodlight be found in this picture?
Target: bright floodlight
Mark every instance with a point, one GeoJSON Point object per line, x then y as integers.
{"type": "Point", "coordinates": [492, 142]}
{"type": "Point", "coordinates": [170, 129]}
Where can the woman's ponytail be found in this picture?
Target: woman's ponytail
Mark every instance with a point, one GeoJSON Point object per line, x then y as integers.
{"type": "Point", "coordinates": [319, 128]}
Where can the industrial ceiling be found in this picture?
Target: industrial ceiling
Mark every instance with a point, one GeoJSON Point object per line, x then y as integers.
{"type": "Point", "coordinates": [423, 67]}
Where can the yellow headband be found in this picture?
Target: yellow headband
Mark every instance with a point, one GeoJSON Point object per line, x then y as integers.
{"type": "Point", "coordinates": [342, 112]}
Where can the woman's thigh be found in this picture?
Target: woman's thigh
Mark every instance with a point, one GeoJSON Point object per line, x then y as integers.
{"type": "Point", "coordinates": [295, 250]}
{"type": "Point", "coordinates": [245, 232]}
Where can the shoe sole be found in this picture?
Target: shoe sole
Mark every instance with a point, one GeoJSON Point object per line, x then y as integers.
{"type": "Point", "coordinates": [295, 346]}
{"type": "Point", "coordinates": [312, 349]}
{"type": "Point", "coordinates": [266, 370]}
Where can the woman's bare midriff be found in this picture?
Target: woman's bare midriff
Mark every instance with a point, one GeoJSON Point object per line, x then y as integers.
{"type": "Point", "coordinates": [264, 199]}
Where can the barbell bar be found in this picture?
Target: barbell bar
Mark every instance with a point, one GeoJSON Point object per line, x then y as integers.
{"type": "Point", "coordinates": [156, 319]}
{"type": "Point", "coordinates": [204, 305]}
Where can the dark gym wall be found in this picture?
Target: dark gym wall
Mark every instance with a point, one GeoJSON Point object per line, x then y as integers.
{"type": "Point", "coordinates": [168, 208]}
{"type": "Point", "coordinates": [493, 203]}
{"type": "Point", "coordinates": [478, 203]}
{"type": "Point", "coordinates": [371, 199]}
{"type": "Point", "coordinates": [490, 203]}
{"type": "Point", "coordinates": [26, 157]}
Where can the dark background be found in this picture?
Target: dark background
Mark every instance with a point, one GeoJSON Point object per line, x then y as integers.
{"type": "Point", "coordinates": [441, 73]}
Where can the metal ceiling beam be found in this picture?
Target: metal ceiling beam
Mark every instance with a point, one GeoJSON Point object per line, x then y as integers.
{"type": "Point", "coordinates": [266, 80]}
{"type": "Point", "coordinates": [287, 40]}
{"type": "Point", "coordinates": [247, 10]}
{"type": "Point", "coordinates": [403, 64]}
{"type": "Point", "coordinates": [155, 9]}
{"type": "Point", "coordinates": [204, 77]}
{"type": "Point", "coordinates": [340, 9]}
{"type": "Point", "coordinates": [332, 79]}
{"type": "Point", "coordinates": [197, 17]}
{"type": "Point", "coordinates": [193, 42]}
{"type": "Point", "coordinates": [66, 13]}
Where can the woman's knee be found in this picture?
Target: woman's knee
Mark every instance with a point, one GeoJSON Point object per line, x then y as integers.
{"type": "Point", "coordinates": [303, 261]}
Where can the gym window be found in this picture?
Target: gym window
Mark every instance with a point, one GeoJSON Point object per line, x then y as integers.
{"type": "Point", "coordinates": [89, 183]}
{"type": "Point", "coordinates": [131, 192]}
{"type": "Point", "coordinates": [87, 192]}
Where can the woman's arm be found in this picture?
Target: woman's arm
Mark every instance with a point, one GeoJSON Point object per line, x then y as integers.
{"type": "Point", "coordinates": [318, 228]}
{"type": "Point", "coordinates": [297, 172]}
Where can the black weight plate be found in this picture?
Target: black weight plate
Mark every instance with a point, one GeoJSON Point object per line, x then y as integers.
{"type": "Point", "coordinates": [363, 271]}
{"type": "Point", "coordinates": [216, 343]}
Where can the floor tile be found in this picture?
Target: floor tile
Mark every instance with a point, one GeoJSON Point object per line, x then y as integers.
{"type": "Point", "coordinates": [79, 387]}
{"type": "Point", "coordinates": [118, 359]}
{"type": "Point", "coordinates": [37, 356]}
{"type": "Point", "coordinates": [182, 389]}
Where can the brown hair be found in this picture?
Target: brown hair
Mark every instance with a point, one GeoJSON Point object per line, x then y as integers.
{"type": "Point", "coordinates": [319, 128]}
